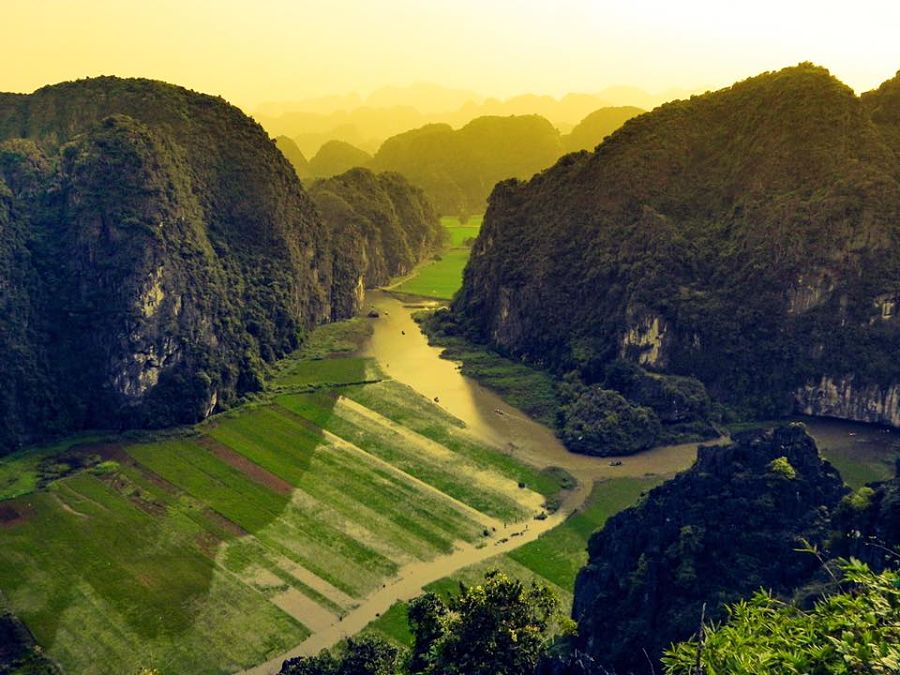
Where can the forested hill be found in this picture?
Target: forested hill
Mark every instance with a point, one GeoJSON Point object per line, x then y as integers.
{"type": "Point", "coordinates": [156, 249]}
{"type": "Point", "coordinates": [588, 133]}
{"type": "Point", "coordinates": [653, 567]}
{"type": "Point", "coordinates": [293, 154]}
{"type": "Point", "coordinates": [749, 237]}
{"type": "Point", "coordinates": [381, 227]}
{"type": "Point", "coordinates": [458, 168]}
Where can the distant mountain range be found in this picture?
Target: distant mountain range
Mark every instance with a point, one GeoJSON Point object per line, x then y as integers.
{"type": "Point", "coordinates": [368, 122]}
{"type": "Point", "coordinates": [458, 168]}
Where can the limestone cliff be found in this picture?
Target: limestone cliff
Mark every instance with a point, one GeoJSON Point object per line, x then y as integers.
{"type": "Point", "coordinates": [749, 237]}
{"type": "Point", "coordinates": [830, 397]}
{"type": "Point", "coordinates": [156, 251]}
{"type": "Point", "coordinates": [381, 227]}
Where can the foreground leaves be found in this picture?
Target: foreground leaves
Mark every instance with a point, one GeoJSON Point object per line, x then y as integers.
{"type": "Point", "coordinates": [855, 631]}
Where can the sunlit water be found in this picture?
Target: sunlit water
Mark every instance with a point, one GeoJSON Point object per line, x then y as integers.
{"type": "Point", "coordinates": [862, 451]}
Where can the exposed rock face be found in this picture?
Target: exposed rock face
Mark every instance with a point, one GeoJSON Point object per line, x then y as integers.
{"type": "Point", "coordinates": [840, 398]}
{"type": "Point", "coordinates": [714, 534]}
{"type": "Point", "coordinates": [644, 341]}
{"type": "Point", "coordinates": [748, 237]}
{"type": "Point", "coordinates": [156, 250]}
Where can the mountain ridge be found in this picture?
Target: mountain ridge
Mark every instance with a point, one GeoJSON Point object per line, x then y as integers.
{"type": "Point", "coordinates": [747, 237]}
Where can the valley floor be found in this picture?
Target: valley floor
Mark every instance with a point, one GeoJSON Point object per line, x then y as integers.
{"type": "Point", "coordinates": [369, 470]}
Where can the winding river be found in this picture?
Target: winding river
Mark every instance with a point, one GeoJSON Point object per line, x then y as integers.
{"type": "Point", "coordinates": [405, 355]}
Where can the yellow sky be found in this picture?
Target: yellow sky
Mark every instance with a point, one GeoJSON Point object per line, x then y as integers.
{"type": "Point", "coordinates": [254, 51]}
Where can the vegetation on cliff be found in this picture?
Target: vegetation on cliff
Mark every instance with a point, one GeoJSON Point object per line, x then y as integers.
{"type": "Point", "coordinates": [853, 631]}
{"type": "Point", "coordinates": [294, 155]}
{"type": "Point", "coordinates": [653, 567]}
{"type": "Point", "coordinates": [498, 626]}
{"type": "Point", "coordinates": [458, 168]}
{"type": "Point", "coordinates": [157, 251]}
{"type": "Point", "coordinates": [627, 411]}
{"type": "Point", "coordinates": [381, 227]}
{"type": "Point", "coordinates": [748, 238]}
{"type": "Point", "coordinates": [591, 131]}
{"type": "Point", "coordinates": [336, 157]}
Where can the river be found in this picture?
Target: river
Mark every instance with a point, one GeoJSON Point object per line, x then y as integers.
{"type": "Point", "coordinates": [404, 354]}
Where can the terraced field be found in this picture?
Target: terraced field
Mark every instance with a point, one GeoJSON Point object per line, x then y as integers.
{"type": "Point", "coordinates": [553, 559]}
{"type": "Point", "coordinates": [215, 551]}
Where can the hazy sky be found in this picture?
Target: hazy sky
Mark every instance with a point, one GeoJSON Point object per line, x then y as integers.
{"type": "Point", "coordinates": [250, 52]}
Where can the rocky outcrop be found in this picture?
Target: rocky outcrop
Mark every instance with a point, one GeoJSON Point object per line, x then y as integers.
{"type": "Point", "coordinates": [654, 566]}
{"type": "Point", "coordinates": [830, 397]}
{"type": "Point", "coordinates": [381, 226]}
{"type": "Point", "coordinates": [156, 252]}
{"type": "Point", "coordinates": [644, 341]}
{"type": "Point", "coordinates": [749, 238]}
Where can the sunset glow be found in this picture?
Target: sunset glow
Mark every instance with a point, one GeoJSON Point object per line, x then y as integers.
{"type": "Point", "coordinates": [251, 52]}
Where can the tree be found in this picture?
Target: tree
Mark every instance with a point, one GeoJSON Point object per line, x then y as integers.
{"type": "Point", "coordinates": [499, 627]}
{"type": "Point", "coordinates": [602, 422]}
{"type": "Point", "coordinates": [366, 655]}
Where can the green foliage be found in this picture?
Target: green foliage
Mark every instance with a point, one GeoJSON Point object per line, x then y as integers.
{"type": "Point", "coordinates": [591, 131]}
{"type": "Point", "coordinates": [856, 630]}
{"type": "Point", "coordinates": [380, 226]}
{"type": "Point", "coordinates": [498, 627]}
{"type": "Point", "coordinates": [602, 422]}
{"type": "Point", "coordinates": [294, 155]}
{"type": "Point", "coordinates": [340, 338]}
{"type": "Point", "coordinates": [781, 466]}
{"type": "Point", "coordinates": [198, 259]}
{"type": "Point", "coordinates": [653, 567]}
{"type": "Point", "coordinates": [366, 655]}
{"type": "Point", "coordinates": [745, 238]}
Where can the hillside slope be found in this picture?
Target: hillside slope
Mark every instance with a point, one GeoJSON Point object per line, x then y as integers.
{"type": "Point", "coordinates": [381, 225]}
{"type": "Point", "coordinates": [653, 566]}
{"type": "Point", "coordinates": [336, 157]}
{"type": "Point", "coordinates": [590, 131]}
{"type": "Point", "coordinates": [458, 168]}
{"type": "Point", "coordinates": [748, 237]}
{"type": "Point", "coordinates": [156, 250]}
{"type": "Point", "coordinates": [293, 154]}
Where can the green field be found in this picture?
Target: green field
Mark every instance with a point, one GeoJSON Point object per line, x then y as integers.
{"type": "Point", "coordinates": [218, 550]}
{"type": "Point", "coordinates": [460, 233]}
{"type": "Point", "coordinates": [440, 279]}
{"type": "Point", "coordinates": [553, 559]}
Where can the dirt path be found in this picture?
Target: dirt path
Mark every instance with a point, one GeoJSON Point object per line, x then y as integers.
{"type": "Point", "coordinates": [411, 579]}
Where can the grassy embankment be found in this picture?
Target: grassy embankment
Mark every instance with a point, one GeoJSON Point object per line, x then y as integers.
{"type": "Point", "coordinates": [218, 549]}
{"type": "Point", "coordinates": [440, 279]}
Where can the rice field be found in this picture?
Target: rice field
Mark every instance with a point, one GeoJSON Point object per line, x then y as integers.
{"type": "Point", "coordinates": [553, 559]}
{"type": "Point", "coordinates": [440, 279]}
{"type": "Point", "coordinates": [215, 551]}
